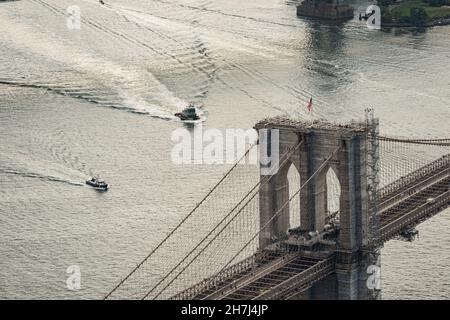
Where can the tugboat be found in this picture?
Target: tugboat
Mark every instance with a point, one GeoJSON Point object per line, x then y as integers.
{"type": "Point", "coordinates": [188, 113]}
{"type": "Point", "coordinates": [97, 184]}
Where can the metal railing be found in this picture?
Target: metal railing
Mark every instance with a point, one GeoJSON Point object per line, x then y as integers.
{"type": "Point", "coordinates": [254, 275]}
{"type": "Point", "coordinates": [301, 281]}
{"type": "Point", "coordinates": [414, 188]}
{"type": "Point", "coordinates": [413, 218]}
{"type": "Point", "coordinates": [397, 185]}
{"type": "Point", "coordinates": [215, 280]}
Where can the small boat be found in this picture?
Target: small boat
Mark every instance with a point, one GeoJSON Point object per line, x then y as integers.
{"type": "Point", "coordinates": [97, 184]}
{"type": "Point", "coordinates": [188, 113]}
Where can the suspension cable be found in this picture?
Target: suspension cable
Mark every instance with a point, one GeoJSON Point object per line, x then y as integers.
{"type": "Point", "coordinates": [180, 223]}
{"type": "Point", "coordinates": [292, 149]}
{"type": "Point", "coordinates": [436, 142]}
{"type": "Point", "coordinates": [325, 162]}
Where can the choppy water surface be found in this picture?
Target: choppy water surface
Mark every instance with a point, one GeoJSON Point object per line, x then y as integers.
{"type": "Point", "coordinates": [100, 100]}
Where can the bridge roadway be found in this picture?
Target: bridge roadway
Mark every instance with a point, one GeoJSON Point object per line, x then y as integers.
{"type": "Point", "coordinates": [277, 275]}
{"type": "Point", "coordinates": [272, 275]}
{"type": "Point", "coordinates": [426, 193]}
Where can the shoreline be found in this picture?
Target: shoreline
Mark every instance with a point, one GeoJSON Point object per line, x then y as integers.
{"type": "Point", "coordinates": [414, 13]}
{"type": "Point", "coordinates": [433, 23]}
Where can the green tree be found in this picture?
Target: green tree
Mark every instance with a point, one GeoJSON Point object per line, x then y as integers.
{"type": "Point", "coordinates": [437, 3]}
{"type": "Point", "coordinates": [386, 16]}
{"type": "Point", "coordinates": [385, 3]}
{"type": "Point", "coordinates": [418, 15]}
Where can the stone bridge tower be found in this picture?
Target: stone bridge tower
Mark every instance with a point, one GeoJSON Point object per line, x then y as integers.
{"type": "Point", "coordinates": [310, 145]}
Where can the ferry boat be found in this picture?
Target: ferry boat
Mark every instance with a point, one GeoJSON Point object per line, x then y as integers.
{"type": "Point", "coordinates": [188, 113]}
{"type": "Point", "coordinates": [97, 184]}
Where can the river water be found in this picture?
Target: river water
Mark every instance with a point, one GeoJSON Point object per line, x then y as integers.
{"type": "Point", "coordinates": [100, 100]}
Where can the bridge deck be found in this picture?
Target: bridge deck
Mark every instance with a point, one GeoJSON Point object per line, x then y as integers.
{"type": "Point", "coordinates": [266, 259]}
{"type": "Point", "coordinates": [407, 206]}
{"type": "Point", "coordinates": [280, 275]}
{"type": "Point", "coordinates": [427, 200]}
{"type": "Point", "coordinates": [262, 284]}
{"type": "Point", "coordinates": [411, 186]}
{"type": "Point", "coordinates": [412, 202]}
{"type": "Point", "coordinates": [414, 180]}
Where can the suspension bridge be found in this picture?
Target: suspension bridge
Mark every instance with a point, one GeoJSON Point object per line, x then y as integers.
{"type": "Point", "coordinates": [309, 223]}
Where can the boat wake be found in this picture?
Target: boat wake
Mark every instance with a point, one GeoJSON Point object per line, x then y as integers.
{"type": "Point", "coordinates": [42, 177]}
{"type": "Point", "coordinates": [121, 102]}
{"type": "Point", "coordinates": [88, 76]}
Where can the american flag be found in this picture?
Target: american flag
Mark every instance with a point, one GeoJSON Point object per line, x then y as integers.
{"type": "Point", "coordinates": [309, 106]}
